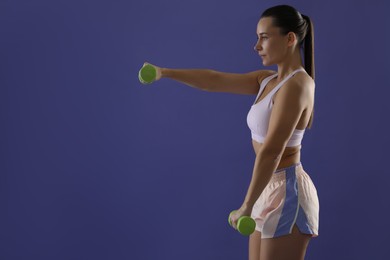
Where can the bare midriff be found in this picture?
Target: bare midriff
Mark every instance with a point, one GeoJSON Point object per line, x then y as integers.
{"type": "Point", "coordinates": [290, 156]}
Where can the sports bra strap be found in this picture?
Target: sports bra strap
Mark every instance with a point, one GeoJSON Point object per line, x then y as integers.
{"type": "Point", "coordinates": [283, 81]}
{"type": "Point", "coordinates": [263, 84]}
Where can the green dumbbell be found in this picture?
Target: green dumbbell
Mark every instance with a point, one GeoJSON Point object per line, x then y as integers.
{"type": "Point", "coordinates": [245, 225]}
{"type": "Point", "coordinates": [147, 74]}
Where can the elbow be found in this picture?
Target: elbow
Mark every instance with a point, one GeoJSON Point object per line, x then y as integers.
{"type": "Point", "coordinates": [271, 153]}
{"type": "Point", "coordinates": [213, 78]}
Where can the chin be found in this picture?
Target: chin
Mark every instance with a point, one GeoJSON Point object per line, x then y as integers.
{"type": "Point", "coordinates": [265, 63]}
{"type": "Point", "coordinates": [268, 63]}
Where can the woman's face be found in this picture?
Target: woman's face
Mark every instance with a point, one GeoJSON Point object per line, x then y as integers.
{"type": "Point", "coordinates": [271, 45]}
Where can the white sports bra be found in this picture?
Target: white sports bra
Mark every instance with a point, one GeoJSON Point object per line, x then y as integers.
{"type": "Point", "coordinates": [259, 114]}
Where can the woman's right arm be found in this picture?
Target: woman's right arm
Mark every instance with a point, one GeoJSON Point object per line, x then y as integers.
{"type": "Point", "coordinates": [215, 81]}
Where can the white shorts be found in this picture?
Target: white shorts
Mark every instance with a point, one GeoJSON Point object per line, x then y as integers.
{"type": "Point", "coordinates": [289, 198]}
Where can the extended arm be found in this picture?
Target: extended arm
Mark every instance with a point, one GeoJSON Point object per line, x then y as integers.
{"type": "Point", "coordinates": [216, 81]}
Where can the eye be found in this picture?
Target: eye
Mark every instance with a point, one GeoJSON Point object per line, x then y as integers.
{"type": "Point", "coordinates": [262, 37]}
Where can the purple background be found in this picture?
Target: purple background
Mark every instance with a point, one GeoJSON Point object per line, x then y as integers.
{"type": "Point", "coordinates": [96, 166]}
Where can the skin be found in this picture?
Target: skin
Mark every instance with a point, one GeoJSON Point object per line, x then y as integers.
{"type": "Point", "coordinates": [293, 105]}
{"type": "Point", "coordinates": [292, 108]}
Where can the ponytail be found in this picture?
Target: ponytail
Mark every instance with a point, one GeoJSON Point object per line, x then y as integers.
{"type": "Point", "coordinates": [309, 55]}
{"type": "Point", "coordinates": [309, 47]}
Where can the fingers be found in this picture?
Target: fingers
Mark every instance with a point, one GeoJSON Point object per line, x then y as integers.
{"type": "Point", "coordinates": [234, 225]}
{"type": "Point", "coordinates": [147, 63]}
{"type": "Point", "coordinates": [233, 220]}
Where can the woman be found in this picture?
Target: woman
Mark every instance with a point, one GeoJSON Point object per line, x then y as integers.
{"type": "Point", "coordinates": [281, 196]}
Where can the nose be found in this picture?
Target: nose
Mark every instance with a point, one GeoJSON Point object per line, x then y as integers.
{"type": "Point", "coordinates": [257, 46]}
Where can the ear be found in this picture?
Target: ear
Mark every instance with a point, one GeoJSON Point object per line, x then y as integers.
{"type": "Point", "coordinates": [291, 39]}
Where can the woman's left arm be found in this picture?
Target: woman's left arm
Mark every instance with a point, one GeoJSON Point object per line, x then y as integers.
{"type": "Point", "coordinates": [286, 112]}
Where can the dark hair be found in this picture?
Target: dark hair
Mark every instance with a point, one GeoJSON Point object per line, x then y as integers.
{"type": "Point", "coordinates": [288, 19]}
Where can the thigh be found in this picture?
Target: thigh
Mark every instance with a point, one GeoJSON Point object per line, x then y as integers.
{"type": "Point", "coordinates": [254, 245]}
{"type": "Point", "coordinates": [288, 247]}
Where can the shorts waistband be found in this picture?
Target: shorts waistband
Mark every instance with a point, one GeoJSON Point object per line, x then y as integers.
{"type": "Point", "coordinates": [296, 165]}
{"type": "Point", "coordinates": [286, 173]}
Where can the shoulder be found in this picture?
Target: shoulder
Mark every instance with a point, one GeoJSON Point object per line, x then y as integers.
{"type": "Point", "coordinates": [254, 80]}
{"type": "Point", "coordinates": [301, 83]}
{"type": "Point", "coordinates": [299, 88]}
{"type": "Point", "coordinates": [264, 74]}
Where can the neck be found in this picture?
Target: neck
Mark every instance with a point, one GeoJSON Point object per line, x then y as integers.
{"type": "Point", "coordinates": [293, 62]}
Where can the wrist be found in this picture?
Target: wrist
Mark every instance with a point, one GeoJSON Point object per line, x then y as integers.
{"type": "Point", "coordinates": [247, 205]}
{"type": "Point", "coordinates": [164, 72]}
